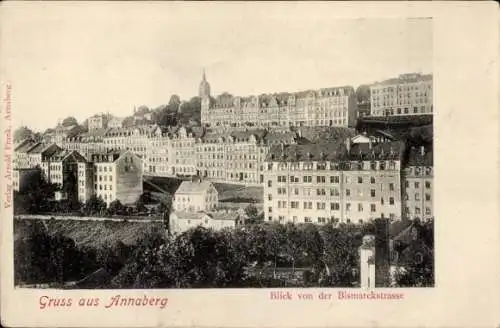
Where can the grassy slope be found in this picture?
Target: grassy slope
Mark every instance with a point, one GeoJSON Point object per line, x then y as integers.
{"type": "Point", "coordinates": [93, 233]}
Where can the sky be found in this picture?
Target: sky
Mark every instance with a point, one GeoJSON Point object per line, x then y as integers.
{"type": "Point", "coordinates": [78, 59]}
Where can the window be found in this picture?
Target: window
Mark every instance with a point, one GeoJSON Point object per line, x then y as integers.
{"type": "Point", "coordinates": [307, 219]}
{"type": "Point", "coordinates": [269, 218]}
{"type": "Point", "coordinates": [373, 208]}
{"type": "Point", "coordinates": [417, 185]}
{"type": "Point", "coordinates": [391, 200]}
{"type": "Point", "coordinates": [407, 184]}
{"type": "Point", "coordinates": [269, 183]}
{"type": "Point", "coordinates": [296, 191]}
{"type": "Point", "coordinates": [372, 192]}
{"type": "Point", "coordinates": [334, 206]}
{"type": "Point", "coordinates": [417, 210]}
{"type": "Point", "coordinates": [307, 205]}
{"type": "Point", "coordinates": [321, 220]}
{"type": "Point", "coordinates": [334, 179]}
{"type": "Point", "coordinates": [320, 206]}
{"type": "Point", "coordinates": [320, 179]}
{"type": "Point", "coordinates": [372, 180]}
{"type": "Point", "coordinates": [270, 209]}
{"type": "Point", "coordinates": [417, 196]}
{"type": "Point", "coordinates": [427, 197]}
{"type": "Point", "coordinates": [307, 179]}
{"type": "Point", "coordinates": [360, 179]}
{"type": "Point", "coordinates": [348, 207]}
{"type": "Point", "coordinates": [427, 184]}
{"type": "Point", "coordinates": [373, 166]}
{"type": "Point", "coordinates": [360, 207]}
{"type": "Point", "coordinates": [320, 192]}
{"type": "Point", "coordinates": [348, 192]}
{"type": "Point", "coordinates": [294, 204]}
{"type": "Point", "coordinates": [391, 186]}
{"type": "Point", "coordinates": [334, 192]}
{"type": "Point", "coordinates": [427, 211]}
{"type": "Point", "coordinates": [270, 197]}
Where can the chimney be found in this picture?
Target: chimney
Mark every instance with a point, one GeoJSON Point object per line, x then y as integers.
{"type": "Point", "coordinates": [422, 150]}
{"type": "Point", "coordinates": [348, 145]}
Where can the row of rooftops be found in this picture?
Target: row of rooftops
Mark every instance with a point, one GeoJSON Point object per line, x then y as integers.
{"type": "Point", "coordinates": [406, 78]}
{"type": "Point", "coordinates": [337, 151]}
{"type": "Point", "coordinates": [346, 151]}
{"type": "Point", "coordinates": [280, 99]}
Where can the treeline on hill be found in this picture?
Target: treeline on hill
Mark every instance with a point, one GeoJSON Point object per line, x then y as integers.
{"type": "Point", "coordinates": [254, 255]}
{"type": "Point", "coordinates": [37, 197]}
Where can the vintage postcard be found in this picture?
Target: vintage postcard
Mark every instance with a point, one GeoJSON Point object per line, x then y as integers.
{"type": "Point", "coordinates": [230, 164]}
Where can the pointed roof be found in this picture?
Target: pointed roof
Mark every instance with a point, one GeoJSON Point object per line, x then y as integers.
{"type": "Point", "coordinates": [193, 187]}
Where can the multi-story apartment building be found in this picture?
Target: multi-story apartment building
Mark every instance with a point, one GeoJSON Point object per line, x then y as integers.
{"type": "Point", "coordinates": [409, 94]}
{"type": "Point", "coordinates": [87, 143]}
{"type": "Point", "coordinates": [134, 138]}
{"type": "Point", "coordinates": [159, 157]}
{"type": "Point", "coordinates": [418, 184]}
{"type": "Point", "coordinates": [20, 158]}
{"type": "Point", "coordinates": [36, 153]}
{"type": "Point", "coordinates": [236, 156]}
{"type": "Point", "coordinates": [61, 168]}
{"type": "Point", "coordinates": [98, 122]}
{"type": "Point", "coordinates": [62, 133]}
{"type": "Point", "coordinates": [85, 181]}
{"type": "Point", "coordinates": [324, 107]}
{"type": "Point", "coordinates": [194, 196]}
{"type": "Point", "coordinates": [117, 175]}
{"type": "Point", "coordinates": [183, 152]}
{"type": "Point", "coordinates": [334, 182]}
{"type": "Point", "coordinates": [115, 122]}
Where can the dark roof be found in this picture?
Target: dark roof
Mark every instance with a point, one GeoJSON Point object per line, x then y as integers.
{"type": "Point", "coordinates": [244, 135]}
{"type": "Point", "coordinates": [63, 154]}
{"type": "Point", "coordinates": [423, 119]}
{"type": "Point", "coordinates": [406, 78]}
{"type": "Point", "coordinates": [105, 156]}
{"type": "Point", "coordinates": [421, 156]}
{"type": "Point", "coordinates": [25, 146]}
{"type": "Point", "coordinates": [335, 151]}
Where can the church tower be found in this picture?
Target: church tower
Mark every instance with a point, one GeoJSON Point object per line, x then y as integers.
{"type": "Point", "coordinates": [204, 93]}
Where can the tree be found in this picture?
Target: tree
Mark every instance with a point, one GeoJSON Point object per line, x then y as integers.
{"type": "Point", "coordinates": [340, 253]}
{"type": "Point", "coordinates": [252, 214]}
{"type": "Point", "coordinates": [94, 206]}
{"type": "Point", "coordinates": [69, 121]}
{"type": "Point", "coordinates": [363, 94]}
{"type": "Point", "coordinates": [128, 122]}
{"type": "Point", "coordinates": [115, 207]}
{"type": "Point", "coordinates": [139, 206]}
{"type": "Point", "coordinates": [173, 104]}
{"type": "Point", "coordinates": [22, 133]}
{"type": "Point", "coordinates": [36, 196]}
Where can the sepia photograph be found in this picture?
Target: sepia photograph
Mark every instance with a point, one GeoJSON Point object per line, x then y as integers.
{"type": "Point", "coordinates": [279, 157]}
{"type": "Point", "coordinates": [249, 164]}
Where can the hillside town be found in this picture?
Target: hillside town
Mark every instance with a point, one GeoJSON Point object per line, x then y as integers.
{"type": "Point", "coordinates": [332, 158]}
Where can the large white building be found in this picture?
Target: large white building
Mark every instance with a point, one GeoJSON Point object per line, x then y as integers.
{"type": "Point", "coordinates": [335, 106]}
{"type": "Point", "coordinates": [333, 182]}
{"type": "Point", "coordinates": [408, 94]}
{"type": "Point", "coordinates": [117, 176]}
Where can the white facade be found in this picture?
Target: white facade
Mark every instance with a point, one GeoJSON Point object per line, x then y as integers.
{"type": "Point", "coordinates": [195, 196]}
{"type": "Point", "coordinates": [181, 221]}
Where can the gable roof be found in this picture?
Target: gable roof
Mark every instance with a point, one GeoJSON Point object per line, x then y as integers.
{"type": "Point", "coordinates": [193, 187]}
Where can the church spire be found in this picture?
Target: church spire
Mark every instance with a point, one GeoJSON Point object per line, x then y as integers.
{"type": "Point", "coordinates": [204, 90]}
